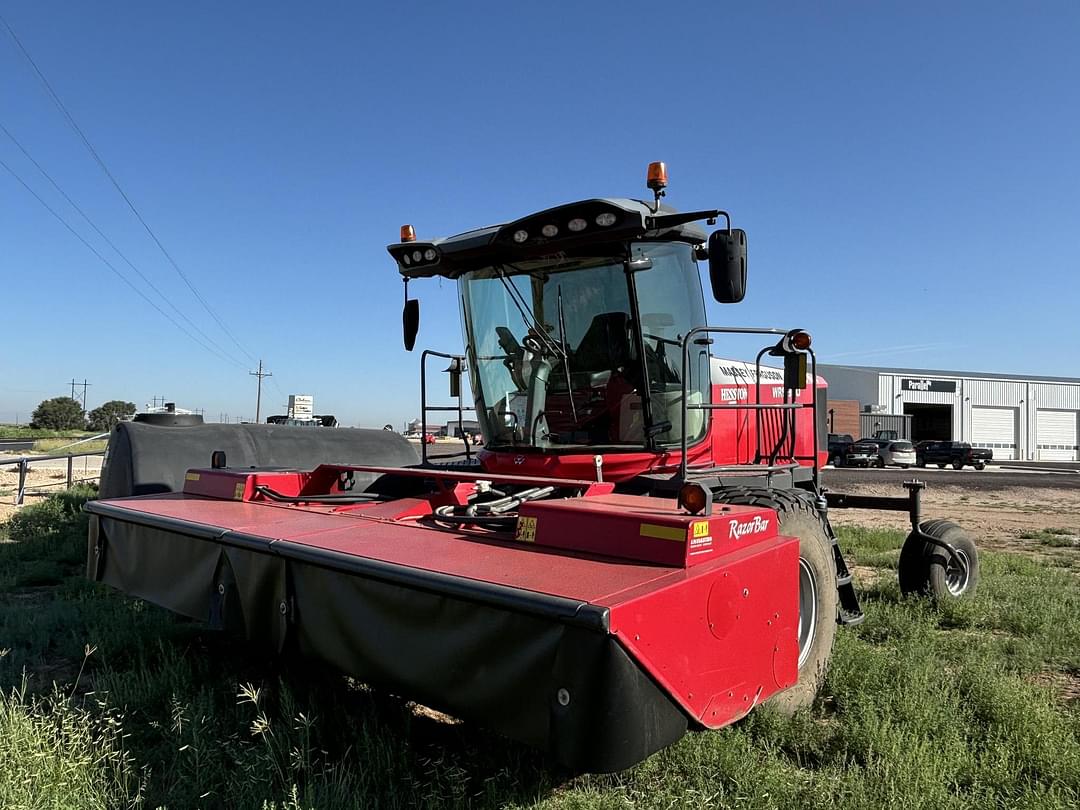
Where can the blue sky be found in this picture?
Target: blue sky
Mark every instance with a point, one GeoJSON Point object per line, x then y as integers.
{"type": "Point", "coordinates": [908, 175]}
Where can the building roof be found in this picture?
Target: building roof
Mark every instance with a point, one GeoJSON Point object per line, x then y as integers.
{"type": "Point", "coordinates": [927, 372]}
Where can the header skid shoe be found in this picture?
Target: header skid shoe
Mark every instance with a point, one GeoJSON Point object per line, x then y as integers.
{"type": "Point", "coordinates": [599, 629]}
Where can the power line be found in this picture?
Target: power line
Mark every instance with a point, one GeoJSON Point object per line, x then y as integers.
{"type": "Point", "coordinates": [111, 244]}
{"type": "Point", "coordinates": [93, 153]}
{"type": "Point", "coordinates": [110, 265]}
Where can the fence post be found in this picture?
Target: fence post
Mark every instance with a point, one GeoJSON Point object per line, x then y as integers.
{"type": "Point", "coordinates": [22, 482]}
{"type": "Point", "coordinates": [71, 459]}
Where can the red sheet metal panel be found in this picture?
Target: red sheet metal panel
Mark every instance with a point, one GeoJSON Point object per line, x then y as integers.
{"type": "Point", "coordinates": [726, 637]}
{"type": "Point", "coordinates": [652, 530]}
{"type": "Point", "coordinates": [474, 556]}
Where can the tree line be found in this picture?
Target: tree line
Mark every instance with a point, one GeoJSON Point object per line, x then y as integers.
{"type": "Point", "coordinates": [65, 413]}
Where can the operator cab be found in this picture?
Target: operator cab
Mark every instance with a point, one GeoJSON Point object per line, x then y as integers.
{"type": "Point", "coordinates": [574, 321]}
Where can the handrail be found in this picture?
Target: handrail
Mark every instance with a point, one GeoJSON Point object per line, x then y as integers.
{"type": "Point", "coordinates": [24, 463]}
{"type": "Point", "coordinates": [786, 408]}
{"type": "Point", "coordinates": [424, 407]}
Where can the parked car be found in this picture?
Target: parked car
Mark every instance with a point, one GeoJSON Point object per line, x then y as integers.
{"type": "Point", "coordinates": [959, 454]}
{"type": "Point", "coordinates": [838, 445]}
{"type": "Point", "coordinates": [862, 453]}
{"type": "Point", "coordinates": [895, 452]}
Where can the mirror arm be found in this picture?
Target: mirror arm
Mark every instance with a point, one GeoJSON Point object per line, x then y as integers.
{"type": "Point", "coordinates": [672, 220]}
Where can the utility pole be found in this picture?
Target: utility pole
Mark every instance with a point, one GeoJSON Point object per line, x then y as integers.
{"type": "Point", "coordinates": [258, 397]}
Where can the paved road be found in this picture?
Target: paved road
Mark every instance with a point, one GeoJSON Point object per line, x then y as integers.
{"type": "Point", "coordinates": [988, 480]}
{"type": "Point", "coordinates": [15, 445]}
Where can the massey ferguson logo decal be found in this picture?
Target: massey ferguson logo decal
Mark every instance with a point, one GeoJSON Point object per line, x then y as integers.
{"type": "Point", "coordinates": [737, 529]}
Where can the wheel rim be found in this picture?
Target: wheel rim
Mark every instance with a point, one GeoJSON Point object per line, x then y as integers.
{"type": "Point", "coordinates": [956, 573]}
{"type": "Point", "coordinates": [807, 610]}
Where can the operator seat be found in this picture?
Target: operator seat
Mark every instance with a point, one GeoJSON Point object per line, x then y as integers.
{"type": "Point", "coordinates": [604, 348]}
{"type": "Point", "coordinates": [604, 359]}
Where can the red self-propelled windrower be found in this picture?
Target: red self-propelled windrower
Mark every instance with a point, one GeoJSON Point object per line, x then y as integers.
{"type": "Point", "coordinates": [642, 546]}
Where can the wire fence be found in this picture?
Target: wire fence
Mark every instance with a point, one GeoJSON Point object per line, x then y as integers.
{"type": "Point", "coordinates": [68, 480]}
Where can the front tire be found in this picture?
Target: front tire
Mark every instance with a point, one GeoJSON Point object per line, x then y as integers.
{"type": "Point", "coordinates": [958, 465]}
{"type": "Point", "coordinates": [798, 517]}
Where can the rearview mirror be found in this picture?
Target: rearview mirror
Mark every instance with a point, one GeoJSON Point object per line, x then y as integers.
{"type": "Point", "coordinates": [727, 265]}
{"type": "Point", "coordinates": [410, 322]}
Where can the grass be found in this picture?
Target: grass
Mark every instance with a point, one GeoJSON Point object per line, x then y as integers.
{"type": "Point", "coordinates": [110, 702]}
{"type": "Point", "coordinates": [49, 445]}
{"type": "Point", "coordinates": [8, 431]}
{"type": "Point", "coordinates": [1055, 538]}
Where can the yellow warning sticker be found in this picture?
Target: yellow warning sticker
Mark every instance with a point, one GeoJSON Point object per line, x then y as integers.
{"type": "Point", "coordinates": [526, 530]}
{"type": "Point", "coordinates": [238, 493]}
{"type": "Point", "coordinates": [676, 533]}
{"type": "Point", "coordinates": [192, 476]}
{"type": "Point", "coordinates": [701, 528]}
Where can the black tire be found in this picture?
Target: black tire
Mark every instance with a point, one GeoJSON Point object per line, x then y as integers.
{"type": "Point", "coordinates": [839, 461]}
{"type": "Point", "coordinates": [928, 569]}
{"type": "Point", "coordinates": [941, 466]}
{"type": "Point", "coordinates": [904, 466]}
{"type": "Point", "coordinates": [880, 463]}
{"type": "Point", "coordinates": [798, 517]}
{"type": "Point", "coordinates": [979, 466]}
{"type": "Point", "coordinates": [920, 462]}
{"type": "Point", "coordinates": [958, 465]}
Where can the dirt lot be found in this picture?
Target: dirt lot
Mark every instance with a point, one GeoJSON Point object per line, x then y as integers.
{"type": "Point", "coordinates": [996, 517]}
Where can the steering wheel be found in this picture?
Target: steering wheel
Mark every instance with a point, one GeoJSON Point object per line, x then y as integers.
{"type": "Point", "coordinates": [533, 344]}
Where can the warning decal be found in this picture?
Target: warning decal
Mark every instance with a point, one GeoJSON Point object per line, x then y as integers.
{"type": "Point", "coordinates": [526, 530]}
{"type": "Point", "coordinates": [676, 533]}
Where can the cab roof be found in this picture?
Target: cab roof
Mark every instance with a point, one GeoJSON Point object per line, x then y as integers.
{"type": "Point", "coordinates": [608, 224]}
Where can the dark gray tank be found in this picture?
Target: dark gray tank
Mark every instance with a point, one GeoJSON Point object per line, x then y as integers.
{"type": "Point", "coordinates": [144, 459]}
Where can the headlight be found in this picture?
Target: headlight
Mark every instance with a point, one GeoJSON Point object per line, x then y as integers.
{"type": "Point", "coordinates": [577, 224]}
{"type": "Point", "coordinates": [430, 254]}
{"type": "Point", "coordinates": [550, 230]}
{"type": "Point", "coordinates": [605, 219]}
{"type": "Point", "coordinates": [520, 236]}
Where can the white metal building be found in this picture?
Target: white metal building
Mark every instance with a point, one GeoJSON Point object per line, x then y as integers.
{"type": "Point", "coordinates": [1017, 416]}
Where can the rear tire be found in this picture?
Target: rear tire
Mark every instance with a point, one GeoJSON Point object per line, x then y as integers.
{"type": "Point", "coordinates": [941, 466]}
{"type": "Point", "coordinates": [980, 466]}
{"type": "Point", "coordinates": [929, 570]}
{"type": "Point", "coordinates": [798, 517]}
{"type": "Point", "coordinates": [958, 465]}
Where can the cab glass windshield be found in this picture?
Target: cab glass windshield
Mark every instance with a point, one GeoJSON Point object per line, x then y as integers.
{"type": "Point", "coordinates": [558, 359]}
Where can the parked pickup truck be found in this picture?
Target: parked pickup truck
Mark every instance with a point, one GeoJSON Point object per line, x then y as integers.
{"type": "Point", "coordinates": [863, 453]}
{"type": "Point", "coordinates": [959, 454]}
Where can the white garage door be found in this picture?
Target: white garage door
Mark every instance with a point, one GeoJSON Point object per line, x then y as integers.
{"type": "Point", "coordinates": [1055, 435]}
{"type": "Point", "coordinates": [995, 428]}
